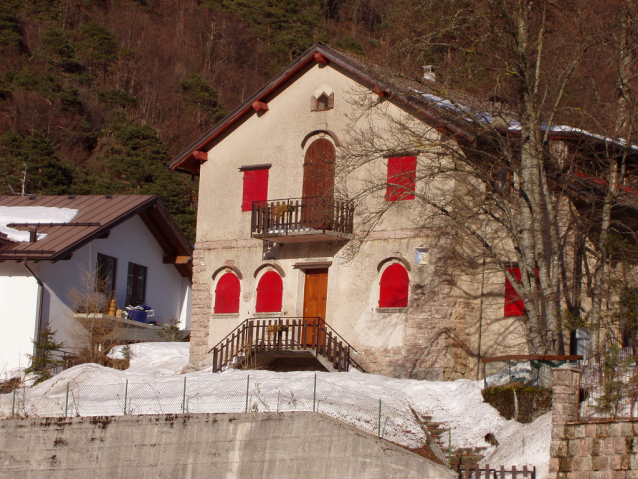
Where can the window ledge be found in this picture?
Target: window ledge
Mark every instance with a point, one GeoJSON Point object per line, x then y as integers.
{"type": "Point", "coordinates": [273, 314]}
{"type": "Point", "coordinates": [224, 315]}
{"type": "Point", "coordinates": [392, 310]}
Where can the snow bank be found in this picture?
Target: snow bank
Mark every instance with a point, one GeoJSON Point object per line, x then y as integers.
{"type": "Point", "coordinates": [31, 214]}
{"type": "Point", "coordinates": [457, 405]}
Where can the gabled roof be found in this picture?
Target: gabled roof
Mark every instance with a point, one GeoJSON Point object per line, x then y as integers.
{"type": "Point", "coordinates": [417, 97]}
{"type": "Point", "coordinates": [95, 217]}
{"type": "Point", "coordinates": [449, 111]}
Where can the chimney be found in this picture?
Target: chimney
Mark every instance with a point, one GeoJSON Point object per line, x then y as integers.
{"type": "Point", "coordinates": [33, 234]}
{"type": "Point", "coordinates": [428, 73]}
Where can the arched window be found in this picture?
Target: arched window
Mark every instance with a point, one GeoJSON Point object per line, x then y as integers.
{"type": "Point", "coordinates": [227, 294]}
{"type": "Point", "coordinates": [269, 293]}
{"type": "Point", "coordinates": [393, 290]}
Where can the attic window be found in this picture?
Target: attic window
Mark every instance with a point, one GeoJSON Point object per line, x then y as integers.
{"type": "Point", "coordinates": [322, 102]}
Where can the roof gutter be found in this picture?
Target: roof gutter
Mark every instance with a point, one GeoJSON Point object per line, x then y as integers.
{"type": "Point", "coordinates": [38, 326]}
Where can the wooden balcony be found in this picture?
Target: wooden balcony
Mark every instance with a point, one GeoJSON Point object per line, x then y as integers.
{"type": "Point", "coordinates": [302, 220]}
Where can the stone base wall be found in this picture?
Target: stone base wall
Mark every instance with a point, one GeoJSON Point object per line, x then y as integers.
{"type": "Point", "coordinates": [601, 450]}
{"type": "Point", "coordinates": [596, 451]}
{"type": "Point", "coordinates": [202, 302]}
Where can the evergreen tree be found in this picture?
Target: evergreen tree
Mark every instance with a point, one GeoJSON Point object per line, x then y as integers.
{"type": "Point", "coordinates": [45, 173]}
{"type": "Point", "coordinates": [137, 159]}
{"type": "Point", "coordinates": [43, 360]}
{"type": "Point", "coordinates": [204, 98]}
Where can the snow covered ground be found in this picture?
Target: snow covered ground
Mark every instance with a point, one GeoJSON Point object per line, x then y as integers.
{"type": "Point", "coordinates": [153, 384]}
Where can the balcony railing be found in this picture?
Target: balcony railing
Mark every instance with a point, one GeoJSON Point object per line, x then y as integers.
{"type": "Point", "coordinates": [303, 219]}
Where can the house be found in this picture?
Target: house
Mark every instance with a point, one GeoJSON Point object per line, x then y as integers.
{"type": "Point", "coordinates": [122, 249]}
{"type": "Point", "coordinates": [286, 264]}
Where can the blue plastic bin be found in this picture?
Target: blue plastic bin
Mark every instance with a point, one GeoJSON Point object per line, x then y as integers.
{"type": "Point", "coordinates": [137, 315]}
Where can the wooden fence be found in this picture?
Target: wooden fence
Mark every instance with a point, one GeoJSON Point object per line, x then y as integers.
{"type": "Point", "coordinates": [486, 472]}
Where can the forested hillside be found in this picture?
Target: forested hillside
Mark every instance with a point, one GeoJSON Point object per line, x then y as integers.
{"type": "Point", "coordinates": [97, 95]}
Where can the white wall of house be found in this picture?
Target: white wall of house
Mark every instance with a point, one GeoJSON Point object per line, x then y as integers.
{"type": "Point", "coordinates": [18, 316]}
{"type": "Point", "coordinates": [167, 292]}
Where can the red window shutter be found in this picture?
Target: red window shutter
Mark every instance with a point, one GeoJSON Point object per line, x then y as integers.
{"type": "Point", "coordinates": [255, 188]}
{"type": "Point", "coordinates": [514, 305]}
{"type": "Point", "coordinates": [393, 291]}
{"type": "Point", "coordinates": [401, 178]}
{"type": "Point", "coordinates": [227, 294]}
{"type": "Point", "coordinates": [269, 293]}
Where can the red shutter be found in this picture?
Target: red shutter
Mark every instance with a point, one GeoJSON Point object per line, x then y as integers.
{"type": "Point", "coordinates": [393, 291]}
{"type": "Point", "coordinates": [514, 305]}
{"type": "Point", "coordinates": [227, 294]}
{"type": "Point", "coordinates": [269, 293]}
{"type": "Point", "coordinates": [255, 188]}
{"type": "Point", "coordinates": [401, 178]}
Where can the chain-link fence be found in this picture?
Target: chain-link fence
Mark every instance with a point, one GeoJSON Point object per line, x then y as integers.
{"type": "Point", "coordinates": [242, 395]}
{"type": "Point", "coordinates": [534, 373]}
{"type": "Point", "coordinates": [609, 385]}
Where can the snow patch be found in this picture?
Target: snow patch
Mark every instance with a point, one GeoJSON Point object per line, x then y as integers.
{"type": "Point", "coordinates": [31, 214]}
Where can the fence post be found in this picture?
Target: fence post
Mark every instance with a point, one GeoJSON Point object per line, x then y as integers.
{"type": "Point", "coordinates": [66, 401]}
{"type": "Point", "coordinates": [449, 447]}
{"type": "Point", "coordinates": [379, 428]}
{"type": "Point", "coordinates": [484, 375]}
{"type": "Point", "coordinates": [184, 397]}
{"type": "Point", "coordinates": [314, 395]}
{"type": "Point", "coordinates": [125, 395]}
{"type": "Point", "coordinates": [13, 405]}
{"type": "Point", "coordinates": [247, 386]}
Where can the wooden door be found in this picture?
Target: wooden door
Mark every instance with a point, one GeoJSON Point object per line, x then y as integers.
{"type": "Point", "coordinates": [314, 306]}
{"type": "Point", "coordinates": [318, 185]}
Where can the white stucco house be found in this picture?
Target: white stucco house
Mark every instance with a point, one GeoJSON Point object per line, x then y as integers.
{"type": "Point", "coordinates": [52, 245]}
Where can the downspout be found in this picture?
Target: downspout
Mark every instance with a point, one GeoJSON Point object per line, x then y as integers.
{"type": "Point", "coordinates": [38, 327]}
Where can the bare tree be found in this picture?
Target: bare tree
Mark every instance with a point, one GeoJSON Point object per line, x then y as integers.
{"type": "Point", "coordinates": [503, 174]}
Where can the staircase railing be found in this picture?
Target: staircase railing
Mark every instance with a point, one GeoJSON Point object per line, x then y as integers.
{"type": "Point", "coordinates": [284, 334]}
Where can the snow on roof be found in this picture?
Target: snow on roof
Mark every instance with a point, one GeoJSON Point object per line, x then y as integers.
{"type": "Point", "coordinates": [31, 214]}
{"type": "Point", "coordinates": [472, 114]}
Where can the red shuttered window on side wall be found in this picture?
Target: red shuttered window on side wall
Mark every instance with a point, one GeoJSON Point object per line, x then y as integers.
{"type": "Point", "coordinates": [227, 294]}
{"type": "Point", "coordinates": [401, 178]}
{"type": "Point", "coordinates": [255, 188]}
{"type": "Point", "coordinates": [514, 305]}
{"type": "Point", "coordinates": [269, 293]}
{"type": "Point", "coordinates": [394, 286]}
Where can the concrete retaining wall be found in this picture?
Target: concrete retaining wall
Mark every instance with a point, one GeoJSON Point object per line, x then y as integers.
{"type": "Point", "coordinates": [246, 446]}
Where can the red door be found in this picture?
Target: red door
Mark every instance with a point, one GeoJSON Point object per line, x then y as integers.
{"type": "Point", "coordinates": [318, 185]}
{"type": "Point", "coordinates": [314, 305]}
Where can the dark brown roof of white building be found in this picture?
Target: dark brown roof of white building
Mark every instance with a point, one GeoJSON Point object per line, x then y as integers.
{"type": "Point", "coordinates": [96, 216]}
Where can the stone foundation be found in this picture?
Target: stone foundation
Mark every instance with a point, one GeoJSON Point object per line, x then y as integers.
{"type": "Point", "coordinates": [585, 450]}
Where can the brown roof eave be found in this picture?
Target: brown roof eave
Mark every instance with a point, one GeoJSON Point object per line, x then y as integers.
{"type": "Point", "coordinates": [185, 162]}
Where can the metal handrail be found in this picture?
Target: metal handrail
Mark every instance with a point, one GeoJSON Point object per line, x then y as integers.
{"type": "Point", "coordinates": [234, 341]}
{"type": "Point", "coordinates": [280, 318]}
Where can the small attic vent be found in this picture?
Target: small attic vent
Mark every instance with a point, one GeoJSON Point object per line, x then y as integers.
{"type": "Point", "coordinates": [428, 73]}
{"type": "Point", "coordinates": [33, 197]}
{"type": "Point", "coordinates": [72, 197]}
{"type": "Point", "coordinates": [109, 197]}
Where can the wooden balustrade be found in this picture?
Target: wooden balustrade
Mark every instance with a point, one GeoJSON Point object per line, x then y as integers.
{"type": "Point", "coordinates": [283, 334]}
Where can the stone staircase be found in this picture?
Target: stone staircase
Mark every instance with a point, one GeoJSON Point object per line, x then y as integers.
{"type": "Point", "coordinates": [462, 456]}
